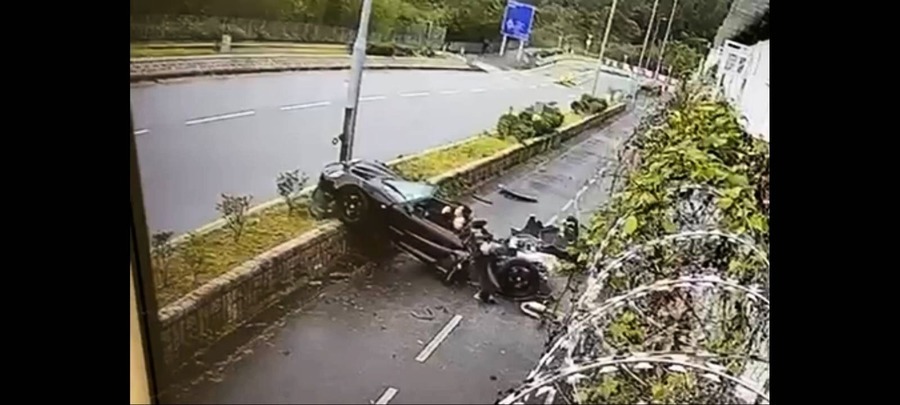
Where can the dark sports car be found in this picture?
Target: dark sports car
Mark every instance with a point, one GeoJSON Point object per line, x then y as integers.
{"type": "Point", "coordinates": [371, 197]}
{"type": "Point", "coordinates": [377, 202]}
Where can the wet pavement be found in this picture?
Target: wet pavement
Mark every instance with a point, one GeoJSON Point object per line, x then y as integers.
{"type": "Point", "coordinates": [364, 344]}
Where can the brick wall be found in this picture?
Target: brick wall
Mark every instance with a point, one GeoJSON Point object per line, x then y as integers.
{"type": "Point", "coordinates": [199, 319]}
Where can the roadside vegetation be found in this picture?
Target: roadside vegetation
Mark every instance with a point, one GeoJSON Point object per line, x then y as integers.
{"type": "Point", "coordinates": [688, 168]}
{"type": "Point", "coordinates": [182, 267]}
{"type": "Point", "coordinates": [560, 26]}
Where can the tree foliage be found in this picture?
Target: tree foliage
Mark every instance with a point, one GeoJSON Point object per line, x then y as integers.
{"type": "Point", "coordinates": [695, 23]}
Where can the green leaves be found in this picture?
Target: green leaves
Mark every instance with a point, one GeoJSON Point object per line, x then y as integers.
{"type": "Point", "coordinates": [631, 223]}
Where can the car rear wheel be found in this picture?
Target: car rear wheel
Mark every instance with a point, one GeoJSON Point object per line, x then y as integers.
{"type": "Point", "coordinates": [353, 205]}
{"type": "Point", "coordinates": [519, 278]}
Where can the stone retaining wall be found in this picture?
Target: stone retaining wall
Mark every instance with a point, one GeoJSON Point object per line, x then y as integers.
{"type": "Point", "coordinates": [197, 320]}
{"type": "Point", "coordinates": [172, 67]}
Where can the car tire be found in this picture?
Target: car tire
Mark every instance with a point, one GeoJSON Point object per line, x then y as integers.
{"type": "Point", "coordinates": [352, 205]}
{"type": "Point", "coordinates": [519, 278]}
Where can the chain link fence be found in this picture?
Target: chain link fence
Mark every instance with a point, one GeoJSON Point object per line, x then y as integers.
{"type": "Point", "coordinates": [200, 28]}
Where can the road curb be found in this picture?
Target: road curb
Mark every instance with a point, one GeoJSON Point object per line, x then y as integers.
{"type": "Point", "coordinates": [162, 75]}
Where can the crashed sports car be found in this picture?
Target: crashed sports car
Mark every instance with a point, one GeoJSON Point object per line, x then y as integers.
{"type": "Point", "coordinates": [372, 199]}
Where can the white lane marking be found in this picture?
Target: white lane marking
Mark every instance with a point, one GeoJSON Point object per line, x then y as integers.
{"type": "Point", "coordinates": [580, 192]}
{"type": "Point", "coordinates": [220, 117]}
{"type": "Point", "coordinates": [592, 181]}
{"type": "Point", "coordinates": [419, 94]}
{"type": "Point", "coordinates": [545, 84]}
{"type": "Point", "coordinates": [571, 96]}
{"type": "Point", "coordinates": [386, 396]}
{"type": "Point", "coordinates": [478, 90]}
{"type": "Point", "coordinates": [551, 220]}
{"type": "Point", "coordinates": [533, 86]}
{"type": "Point", "coordinates": [433, 344]}
{"type": "Point", "coordinates": [372, 98]}
{"type": "Point", "coordinates": [307, 105]}
{"type": "Point", "coordinates": [568, 204]}
{"type": "Point", "coordinates": [450, 91]}
{"type": "Point", "coordinates": [141, 131]}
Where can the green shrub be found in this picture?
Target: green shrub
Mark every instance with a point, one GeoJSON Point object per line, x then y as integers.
{"type": "Point", "coordinates": [537, 120]}
{"type": "Point", "coordinates": [426, 52]}
{"type": "Point", "coordinates": [589, 104]}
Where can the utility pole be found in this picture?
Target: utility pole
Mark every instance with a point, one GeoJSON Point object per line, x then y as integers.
{"type": "Point", "coordinates": [609, 20]}
{"type": "Point", "coordinates": [356, 71]}
{"type": "Point", "coordinates": [662, 51]}
{"type": "Point", "coordinates": [647, 35]}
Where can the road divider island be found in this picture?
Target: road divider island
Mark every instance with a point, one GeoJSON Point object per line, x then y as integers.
{"type": "Point", "coordinates": [211, 281]}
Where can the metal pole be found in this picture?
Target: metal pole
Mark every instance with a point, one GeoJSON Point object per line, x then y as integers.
{"type": "Point", "coordinates": [662, 51]}
{"type": "Point", "coordinates": [521, 50]}
{"type": "Point", "coordinates": [503, 45]}
{"type": "Point", "coordinates": [647, 35]}
{"type": "Point", "coordinates": [612, 12]}
{"type": "Point", "coordinates": [356, 70]}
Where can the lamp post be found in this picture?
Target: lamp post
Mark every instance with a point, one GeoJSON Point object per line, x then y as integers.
{"type": "Point", "coordinates": [612, 12]}
{"type": "Point", "coordinates": [356, 70]}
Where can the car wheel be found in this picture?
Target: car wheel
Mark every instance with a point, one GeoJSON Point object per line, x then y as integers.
{"type": "Point", "coordinates": [519, 278]}
{"type": "Point", "coordinates": [352, 205]}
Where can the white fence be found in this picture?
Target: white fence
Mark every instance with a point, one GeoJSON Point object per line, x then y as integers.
{"type": "Point", "coordinates": [743, 77]}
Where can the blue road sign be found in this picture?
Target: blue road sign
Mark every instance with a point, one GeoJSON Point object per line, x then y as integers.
{"type": "Point", "coordinates": [517, 20]}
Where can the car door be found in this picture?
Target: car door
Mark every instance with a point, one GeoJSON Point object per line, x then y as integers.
{"type": "Point", "coordinates": [421, 237]}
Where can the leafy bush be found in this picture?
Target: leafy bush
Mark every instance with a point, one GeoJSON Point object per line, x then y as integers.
{"type": "Point", "coordinates": [537, 120]}
{"type": "Point", "coordinates": [234, 211]}
{"type": "Point", "coordinates": [391, 49]}
{"type": "Point", "coordinates": [194, 255]}
{"type": "Point", "coordinates": [162, 251]}
{"type": "Point", "coordinates": [589, 104]}
{"type": "Point", "coordinates": [289, 186]}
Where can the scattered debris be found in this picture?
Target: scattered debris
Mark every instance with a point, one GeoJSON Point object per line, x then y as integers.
{"type": "Point", "coordinates": [285, 352]}
{"type": "Point", "coordinates": [315, 283]}
{"type": "Point", "coordinates": [516, 195]}
{"type": "Point", "coordinates": [493, 378]}
{"type": "Point", "coordinates": [428, 316]}
{"type": "Point", "coordinates": [481, 199]}
{"type": "Point", "coordinates": [420, 342]}
{"type": "Point", "coordinates": [339, 275]}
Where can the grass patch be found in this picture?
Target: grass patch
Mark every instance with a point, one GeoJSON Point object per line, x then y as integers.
{"type": "Point", "coordinates": [267, 229]}
{"type": "Point", "coordinates": [570, 117]}
{"type": "Point", "coordinates": [442, 161]}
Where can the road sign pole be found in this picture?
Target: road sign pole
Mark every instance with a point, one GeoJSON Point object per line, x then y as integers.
{"type": "Point", "coordinates": [503, 45]}
{"type": "Point", "coordinates": [609, 20]}
{"type": "Point", "coordinates": [356, 70]}
{"type": "Point", "coordinates": [521, 50]}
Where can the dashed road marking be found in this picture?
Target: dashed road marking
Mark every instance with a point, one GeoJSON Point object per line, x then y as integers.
{"type": "Point", "coordinates": [141, 131]}
{"type": "Point", "coordinates": [552, 220]}
{"type": "Point", "coordinates": [450, 91]}
{"type": "Point", "coordinates": [478, 90]}
{"type": "Point", "coordinates": [568, 204]}
{"type": "Point", "coordinates": [372, 98]}
{"type": "Point", "coordinates": [220, 117]}
{"type": "Point", "coordinates": [580, 192]}
{"type": "Point", "coordinates": [533, 86]}
{"type": "Point", "coordinates": [306, 105]}
{"type": "Point", "coordinates": [436, 341]}
{"type": "Point", "coordinates": [419, 94]}
{"type": "Point", "coordinates": [386, 396]}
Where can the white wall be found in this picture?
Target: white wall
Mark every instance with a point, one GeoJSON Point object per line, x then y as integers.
{"type": "Point", "coordinates": [747, 90]}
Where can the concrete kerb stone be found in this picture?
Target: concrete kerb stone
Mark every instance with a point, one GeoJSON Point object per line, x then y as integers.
{"type": "Point", "coordinates": [171, 314]}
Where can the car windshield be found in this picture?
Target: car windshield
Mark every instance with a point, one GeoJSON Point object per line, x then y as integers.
{"type": "Point", "coordinates": [408, 191]}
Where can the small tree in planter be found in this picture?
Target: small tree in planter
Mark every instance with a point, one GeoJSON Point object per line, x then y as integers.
{"type": "Point", "coordinates": [234, 211]}
{"type": "Point", "coordinates": [161, 252]}
{"type": "Point", "coordinates": [289, 186]}
{"type": "Point", "coordinates": [193, 255]}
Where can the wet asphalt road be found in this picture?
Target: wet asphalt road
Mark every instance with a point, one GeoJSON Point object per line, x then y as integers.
{"type": "Point", "coordinates": [362, 347]}
{"type": "Point", "coordinates": [202, 137]}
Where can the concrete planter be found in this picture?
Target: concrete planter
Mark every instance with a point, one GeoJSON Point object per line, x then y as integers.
{"type": "Point", "coordinates": [199, 319]}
